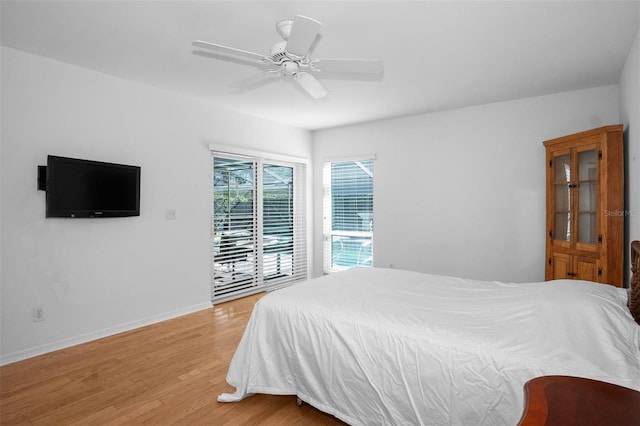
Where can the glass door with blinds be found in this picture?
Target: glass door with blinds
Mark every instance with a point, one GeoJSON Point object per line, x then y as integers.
{"type": "Point", "coordinates": [234, 226]}
{"type": "Point", "coordinates": [348, 214]}
{"type": "Point", "coordinates": [277, 219]}
{"type": "Point", "coordinates": [259, 226]}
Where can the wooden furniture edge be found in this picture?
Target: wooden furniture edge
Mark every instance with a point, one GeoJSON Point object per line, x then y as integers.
{"type": "Point", "coordinates": [534, 414]}
{"type": "Point", "coordinates": [579, 135]}
{"type": "Point", "coordinates": [564, 400]}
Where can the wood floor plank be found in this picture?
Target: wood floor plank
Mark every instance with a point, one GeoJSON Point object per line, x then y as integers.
{"type": "Point", "coordinates": [168, 373]}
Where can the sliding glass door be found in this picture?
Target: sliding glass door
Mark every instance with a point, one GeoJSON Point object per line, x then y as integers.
{"type": "Point", "coordinates": [277, 215]}
{"type": "Point", "coordinates": [259, 226]}
{"type": "Point", "coordinates": [234, 226]}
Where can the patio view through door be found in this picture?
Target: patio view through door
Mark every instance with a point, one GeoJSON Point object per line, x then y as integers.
{"type": "Point", "coordinates": [347, 214]}
{"type": "Point", "coordinates": [259, 240]}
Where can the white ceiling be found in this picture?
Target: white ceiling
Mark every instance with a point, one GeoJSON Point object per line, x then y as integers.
{"type": "Point", "coordinates": [438, 54]}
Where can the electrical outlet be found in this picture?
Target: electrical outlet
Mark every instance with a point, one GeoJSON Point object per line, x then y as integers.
{"type": "Point", "coordinates": [38, 314]}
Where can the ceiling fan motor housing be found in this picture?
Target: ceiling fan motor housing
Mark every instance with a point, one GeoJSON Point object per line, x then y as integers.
{"type": "Point", "coordinates": [289, 64]}
{"type": "Point", "coordinates": [277, 53]}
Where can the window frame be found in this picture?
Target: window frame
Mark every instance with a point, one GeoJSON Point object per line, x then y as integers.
{"type": "Point", "coordinates": [327, 216]}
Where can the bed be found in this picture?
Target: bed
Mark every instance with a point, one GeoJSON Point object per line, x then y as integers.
{"type": "Point", "coordinates": [386, 346]}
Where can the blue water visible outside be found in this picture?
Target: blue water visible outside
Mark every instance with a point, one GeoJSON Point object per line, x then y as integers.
{"type": "Point", "coordinates": [351, 251]}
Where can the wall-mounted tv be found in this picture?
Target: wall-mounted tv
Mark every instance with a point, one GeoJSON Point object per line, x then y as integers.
{"type": "Point", "coordinates": [82, 188]}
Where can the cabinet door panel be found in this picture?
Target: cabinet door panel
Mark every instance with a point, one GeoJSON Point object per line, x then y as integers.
{"type": "Point", "coordinates": [586, 269]}
{"type": "Point", "coordinates": [561, 266]}
{"type": "Point", "coordinates": [561, 198]}
{"type": "Point", "coordinates": [587, 194]}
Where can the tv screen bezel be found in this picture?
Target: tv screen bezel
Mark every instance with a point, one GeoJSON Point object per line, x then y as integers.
{"type": "Point", "coordinates": [54, 161]}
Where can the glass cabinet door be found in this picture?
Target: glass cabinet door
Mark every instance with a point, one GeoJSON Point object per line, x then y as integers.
{"type": "Point", "coordinates": [587, 186]}
{"type": "Point", "coordinates": [575, 197]}
{"type": "Point", "coordinates": [562, 197]}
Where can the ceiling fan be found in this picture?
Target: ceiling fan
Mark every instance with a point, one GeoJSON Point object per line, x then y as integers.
{"type": "Point", "coordinates": [290, 58]}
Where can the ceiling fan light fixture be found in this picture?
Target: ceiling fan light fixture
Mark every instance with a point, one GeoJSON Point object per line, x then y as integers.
{"type": "Point", "coordinates": [289, 68]}
{"type": "Point", "coordinates": [284, 28]}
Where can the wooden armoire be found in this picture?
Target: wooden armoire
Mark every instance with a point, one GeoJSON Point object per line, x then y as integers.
{"type": "Point", "coordinates": [585, 206]}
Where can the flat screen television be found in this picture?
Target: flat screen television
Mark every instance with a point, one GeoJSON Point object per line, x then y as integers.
{"type": "Point", "coordinates": [86, 189]}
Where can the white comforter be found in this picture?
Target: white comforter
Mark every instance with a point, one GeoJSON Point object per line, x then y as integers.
{"type": "Point", "coordinates": [383, 346]}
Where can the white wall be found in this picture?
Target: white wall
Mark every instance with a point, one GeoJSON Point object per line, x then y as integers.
{"type": "Point", "coordinates": [94, 277]}
{"type": "Point", "coordinates": [630, 117]}
{"type": "Point", "coordinates": [462, 192]}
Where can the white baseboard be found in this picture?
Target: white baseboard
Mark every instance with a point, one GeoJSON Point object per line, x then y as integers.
{"type": "Point", "coordinates": [98, 334]}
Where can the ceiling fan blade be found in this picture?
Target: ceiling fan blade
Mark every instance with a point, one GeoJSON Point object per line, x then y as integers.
{"type": "Point", "coordinates": [362, 66]}
{"type": "Point", "coordinates": [225, 50]}
{"type": "Point", "coordinates": [311, 85]}
{"type": "Point", "coordinates": [303, 32]}
{"type": "Point", "coordinates": [254, 81]}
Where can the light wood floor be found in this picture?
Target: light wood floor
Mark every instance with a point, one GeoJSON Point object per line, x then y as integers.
{"type": "Point", "coordinates": [166, 373]}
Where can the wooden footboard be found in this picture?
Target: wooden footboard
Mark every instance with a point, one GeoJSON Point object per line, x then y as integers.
{"type": "Point", "coordinates": [564, 400]}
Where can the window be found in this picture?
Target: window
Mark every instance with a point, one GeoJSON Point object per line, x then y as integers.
{"type": "Point", "coordinates": [348, 214]}
{"type": "Point", "coordinates": [259, 225]}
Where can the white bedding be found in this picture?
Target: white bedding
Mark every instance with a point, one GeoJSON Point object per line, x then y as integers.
{"type": "Point", "coordinates": [384, 346]}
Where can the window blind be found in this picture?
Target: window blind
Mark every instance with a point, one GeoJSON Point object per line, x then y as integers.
{"type": "Point", "coordinates": [259, 225]}
{"type": "Point", "coordinates": [284, 238]}
{"type": "Point", "coordinates": [348, 214]}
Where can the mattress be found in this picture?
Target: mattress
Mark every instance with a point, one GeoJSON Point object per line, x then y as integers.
{"type": "Point", "coordinates": [386, 346]}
